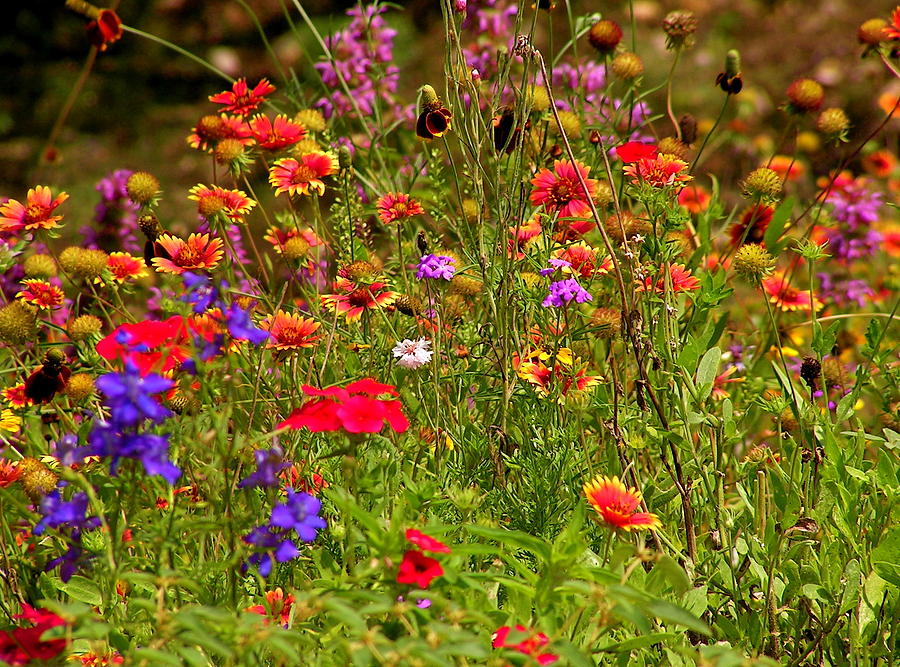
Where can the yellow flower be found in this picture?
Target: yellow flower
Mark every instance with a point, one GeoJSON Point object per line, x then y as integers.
{"type": "Point", "coordinates": [10, 421]}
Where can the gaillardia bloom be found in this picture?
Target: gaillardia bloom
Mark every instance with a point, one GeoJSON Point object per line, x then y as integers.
{"type": "Point", "coordinates": [397, 206]}
{"type": "Point", "coordinates": [213, 200]}
{"type": "Point", "coordinates": [242, 99]}
{"type": "Point", "coordinates": [303, 176]}
{"type": "Point", "coordinates": [35, 213]}
{"type": "Point", "coordinates": [679, 279]}
{"type": "Point", "coordinates": [564, 375]}
{"type": "Point", "coordinates": [210, 130]}
{"type": "Point", "coordinates": [752, 226]}
{"type": "Point", "coordinates": [788, 298]}
{"type": "Point", "coordinates": [41, 293]}
{"type": "Point", "coordinates": [198, 252]}
{"type": "Point", "coordinates": [616, 504]}
{"type": "Point", "coordinates": [357, 300]}
{"type": "Point", "coordinates": [276, 134]}
{"type": "Point", "coordinates": [660, 171]}
{"type": "Point", "coordinates": [124, 266]}
{"type": "Point", "coordinates": [290, 331]}
{"type": "Point", "coordinates": [559, 191]}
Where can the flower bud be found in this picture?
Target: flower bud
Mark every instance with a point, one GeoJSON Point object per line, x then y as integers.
{"type": "Point", "coordinates": [142, 187]}
{"type": "Point", "coordinates": [805, 95]}
{"type": "Point", "coordinates": [752, 263]}
{"type": "Point", "coordinates": [605, 36]}
{"type": "Point", "coordinates": [627, 66]}
{"type": "Point", "coordinates": [345, 158]}
{"type": "Point", "coordinates": [680, 26]}
{"type": "Point", "coordinates": [84, 327]}
{"type": "Point", "coordinates": [762, 184]}
{"type": "Point", "coordinates": [871, 32]}
{"type": "Point", "coordinates": [834, 123]}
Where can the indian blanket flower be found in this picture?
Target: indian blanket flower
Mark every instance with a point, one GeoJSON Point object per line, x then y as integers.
{"type": "Point", "coordinates": [277, 607]}
{"type": "Point", "coordinates": [694, 199]}
{"type": "Point", "coordinates": [212, 200]}
{"type": "Point", "coordinates": [242, 99]}
{"type": "Point", "coordinates": [41, 293]}
{"type": "Point", "coordinates": [752, 226]}
{"type": "Point", "coordinates": [522, 236]}
{"type": "Point", "coordinates": [303, 176]}
{"type": "Point", "coordinates": [291, 331]}
{"type": "Point", "coordinates": [198, 252]}
{"type": "Point", "coordinates": [660, 171]}
{"type": "Point", "coordinates": [524, 640]}
{"type": "Point", "coordinates": [436, 267]}
{"type": "Point", "coordinates": [679, 279]}
{"type": "Point", "coordinates": [582, 260]}
{"type": "Point", "coordinates": [397, 206]}
{"type": "Point", "coordinates": [788, 298]}
{"type": "Point", "coordinates": [124, 266]}
{"type": "Point", "coordinates": [564, 373]}
{"type": "Point", "coordinates": [36, 213]}
{"type": "Point", "coordinates": [274, 542]}
{"type": "Point", "coordinates": [210, 130]}
{"type": "Point", "coordinates": [15, 396]}
{"type": "Point", "coordinates": [355, 408]}
{"type": "Point", "coordinates": [562, 292]}
{"type": "Point", "coordinates": [418, 569]}
{"type": "Point", "coordinates": [892, 29]}
{"type": "Point", "coordinates": [560, 192]}
{"type": "Point", "coordinates": [616, 504]}
{"type": "Point", "coordinates": [275, 134]}
{"type": "Point", "coordinates": [413, 353]}
{"type": "Point", "coordinates": [24, 645]}
{"type": "Point", "coordinates": [353, 302]}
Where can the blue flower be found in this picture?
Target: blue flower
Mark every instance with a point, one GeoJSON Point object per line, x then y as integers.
{"type": "Point", "coordinates": [300, 513]}
{"type": "Point", "coordinates": [273, 541]}
{"type": "Point", "coordinates": [200, 291]}
{"type": "Point", "coordinates": [269, 462]}
{"type": "Point", "coordinates": [59, 513]}
{"type": "Point", "coordinates": [269, 541]}
{"type": "Point", "coordinates": [239, 326]}
{"type": "Point", "coordinates": [152, 450]}
{"type": "Point", "coordinates": [130, 396]}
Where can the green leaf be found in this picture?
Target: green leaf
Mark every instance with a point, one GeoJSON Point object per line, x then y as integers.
{"type": "Point", "coordinates": [707, 370]}
{"type": "Point", "coordinates": [515, 538]}
{"type": "Point", "coordinates": [155, 657]}
{"type": "Point", "coordinates": [668, 568]}
{"type": "Point", "coordinates": [638, 642]}
{"type": "Point", "coordinates": [670, 613]}
{"type": "Point", "coordinates": [886, 557]}
{"type": "Point", "coordinates": [776, 226]}
{"type": "Point", "coordinates": [83, 590]}
{"type": "Point", "coordinates": [823, 342]}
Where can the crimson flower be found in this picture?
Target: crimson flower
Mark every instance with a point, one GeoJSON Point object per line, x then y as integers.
{"type": "Point", "coordinates": [104, 30]}
{"type": "Point", "coordinates": [633, 151]}
{"type": "Point", "coordinates": [354, 409]}
{"type": "Point", "coordinates": [23, 645]}
{"type": "Point", "coordinates": [152, 346]}
{"type": "Point", "coordinates": [419, 569]}
{"type": "Point", "coordinates": [560, 191]}
{"type": "Point", "coordinates": [530, 643]}
{"type": "Point", "coordinates": [426, 542]}
{"type": "Point", "coordinates": [276, 134]}
{"type": "Point", "coordinates": [242, 99]}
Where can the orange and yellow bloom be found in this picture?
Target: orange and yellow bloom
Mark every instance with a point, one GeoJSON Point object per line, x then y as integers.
{"type": "Point", "coordinates": [353, 302]}
{"type": "Point", "coordinates": [397, 206]}
{"type": "Point", "coordinates": [199, 252]}
{"type": "Point", "coordinates": [41, 293]}
{"type": "Point", "coordinates": [124, 267]}
{"type": "Point", "coordinates": [303, 176]}
{"type": "Point", "coordinates": [276, 134]}
{"type": "Point", "coordinates": [789, 298]}
{"type": "Point", "coordinates": [616, 504]}
{"type": "Point", "coordinates": [35, 213]}
{"type": "Point", "coordinates": [290, 331]}
{"type": "Point", "coordinates": [242, 99]}
{"type": "Point", "coordinates": [660, 171]}
{"type": "Point", "coordinates": [212, 200]}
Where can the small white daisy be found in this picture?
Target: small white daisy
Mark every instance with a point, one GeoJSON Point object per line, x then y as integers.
{"type": "Point", "coordinates": [413, 353]}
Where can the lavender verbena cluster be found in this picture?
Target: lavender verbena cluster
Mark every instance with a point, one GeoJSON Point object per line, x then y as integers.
{"type": "Point", "coordinates": [436, 267]}
{"type": "Point", "coordinates": [854, 207]}
{"type": "Point", "coordinates": [69, 518]}
{"type": "Point", "coordinates": [115, 217]}
{"type": "Point", "coordinates": [843, 290]}
{"type": "Point", "coordinates": [491, 26]}
{"type": "Point", "coordinates": [273, 541]}
{"type": "Point", "coordinates": [564, 291]}
{"type": "Point", "coordinates": [362, 58]}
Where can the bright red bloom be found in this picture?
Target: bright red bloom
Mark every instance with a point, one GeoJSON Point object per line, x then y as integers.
{"type": "Point", "coordinates": [662, 170]}
{"type": "Point", "coordinates": [290, 331]}
{"type": "Point", "coordinates": [9, 473]}
{"type": "Point", "coordinates": [695, 199]}
{"type": "Point", "coordinates": [23, 645]}
{"type": "Point", "coordinates": [680, 280]}
{"type": "Point", "coordinates": [94, 660]}
{"type": "Point", "coordinates": [124, 266]}
{"type": "Point", "coordinates": [242, 99]}
{"type": "Point", "coordinates": [634, 151]}
{"type": "Point", "coordinates": [41, 293]}
{"type": "Point", "coordinates": [616, 504]}
{"type": "Point", "coordinates": [522, 236]}
{"type": "Point", "coordinates": [559, 191]}
{"type": "Point", "coordinates": [584, 261]}
{"type": "Point", "coordinates": [35, 213]}
{"type": "Point", "coordinates": [529, 642]}
{"type": "Point", "coordinates": [880, 163]}
{"type": "Point", "coordinates": [276, 134]}
{"type": "Point", "coordinates": [16, 397]}
{"type": "Point", "coordinates": [304, 176]}
{"type": "Point", "coordinates": [212, 129]}
{"type": "Point", "coordinates": [198, 252]}
{"type": "Point", "coordinates": [355, 300]}
{"type": "Point", "coordinates": [426, 542]}
{"type": "Point", "coordinates": [786, 297]}
{"type": "Point", "coordinates": [105, 29]}
{"type": "Point", "coordinates": [278, 606]}
{"type": "Point", "coordinates": [892, 29]}
{"type": "Point", "coordinates": [152, 346]}
{"type": "Point", "coordinates": [418, 569]}
{"type": "Point", "coordinates": [752, 226]}
{"type": "Point", "coordinates": [397, 206]}
{"type": "Point", "coordinates": [354, 408]}
{"type": "Point", "coordinates": [211, 200]}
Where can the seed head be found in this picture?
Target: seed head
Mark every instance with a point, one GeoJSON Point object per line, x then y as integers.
{"type": "Point", "coordinates": [37, 479]}
{"type": "Point", "coordinates": [540, 100]}
{"type": "Point", "coordinates": [18, 323]}
{"type": "Point", "coordinates": [570, 123]}
{"type": "Point", "coordinates": [211, 206]}
{"type": "Point", "coordinates": [211, 128]}
{"type": "Point", "coordinates": [465, 285]}
{"type": "Point", "coordinates": [833, 123]}
{"type": "Point", "coordinates": [80, 387]}
{"type": "Point", "coordinates": [84, 263]}
{"type": "Point", "coordinates": [603, 196]}
{"type": "Point", "coordinates": [295, 248]}
{"type": "Point", "coordinates": [871, 32]}
{"type": "Point", "coordinates": [149, 225]}
{"type": "Point", "coordinates": [228, 150]}
{"type": "Point", "coordinates": [805, 95]}
{"type": "Point", "coordinates": [762, 184]}
{"type": "Point", "coordinates": [608, 322]}
{"type": "Point", "coordinates": [810, 370]}
{"type": "Point", "coordinates": [39, 266]}
{"type": "Point", "coordinates": [142, 188]}
{"type": "Point", "coordinates": [674, 146]}
{"type": "Point", "coordinates": [752, 263]}
{"type": "Point", "coordinates": [605, 36]}
{"type": "Point", "coordinates": [311, 119]}
{"type": "Point", "coordinates": [306, 146]}
{"type": "Point", "coordinates": [84, 327]}
{"type": "Point", "coordinates": [615, 225]}
{"type": "Point", "coordinates": [429, 96]}
{"type": "Point", "coordinates": [680, 26]}
{"type": "Point", "coordinates": [360, 272]}
{"type": "Point", "coordinates": [627, 66]}
{"type": "Point", "coordinates": [471, 210]}
{"type": "Point", "coordinates": [408, 305]}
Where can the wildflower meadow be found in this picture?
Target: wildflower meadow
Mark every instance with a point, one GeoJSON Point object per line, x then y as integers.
{"type": "Point", "coordinates": [473, 332]}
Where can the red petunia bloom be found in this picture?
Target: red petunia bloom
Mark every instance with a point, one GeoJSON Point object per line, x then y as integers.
{"type": "Point", "coordinates": [242, 99]}
{"type": "Point", "coordinates": [124, 267]}
{"type": "Point", "coordinates": [212, 200]}
{"type": "Point", "coordinates": [354, 408]}
{"type": "Point", "coordinates": [559, 191]}
{"type": "Point", "coordinates": [276, 134]}
{"type": "Point", "coordinates": [105, 29]}
{"type": "Point", "coordinates": [302, 176]}
{"type": "Point", "coordinates": [397, 206]}
{"type": "Point", "coordinates": [290, 331]}
{"type": "Point", "coordinates": [892, 29]}
{"type": "Point", "coordinates": [694, 199]}
{"type": "Point", "coordinates": [278, 606]}
{"type": "Point", "coordinates": [616, 504]}
{"type": "Point", "coordinates": [418, 569]}
{"type": "Point", "coordinates": [426, 542]}
{"type": "Point", "coordinates": [213, 129]}
{"type": "Point", "coordinates": [660, 171]}
{"type": "Point", "coordinates": [530, 642]}
{"type": "Point", "coordinates": [355, 300]}
{"type": "Point", "coordinates": [198, 252]}
{"type": "Point", "coordinates": [41, 293]}
{"type": "Point", "coordinates": [788, 298]}
{"type": "Point", "coordinates": [633, 151]}
{"type": "Point", "coordinates": [752, 226]}
{"type": "Point", "coordinates": [152, 346]}
{"type": "Point", "coordinates": [24, 645]}
{"type": "Point", "coordinates": [680, 280]}
{"type": "Point", "coordinates": [35, 213]}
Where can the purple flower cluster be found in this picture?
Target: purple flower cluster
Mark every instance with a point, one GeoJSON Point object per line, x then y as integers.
{"type": "Point", "coordinates": [564, 291]}
{"type": "Point", "coordinates": [492, 26]}
{"type": "Point", "coordinates": [843, 291]}
{"type": "Point", "coordinates": [115, 217]}
{"type": "Point", "coordinates": [854, 207]}
{"type": "Point", "coordinates": [269, 462]}
{"type": "Point", "coordinates": [70, 519]}
{"type": "Point", "coordinates": [436, 267]}
{"type": "Point", "coordinates": [273, 541]}
{"type": "Point", "coordinates": [203, 295]}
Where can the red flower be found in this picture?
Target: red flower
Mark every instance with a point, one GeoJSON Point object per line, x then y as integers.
{"type": "Point", "coordinates": [680, 280]}
{"type": "Point", "coordinates": [397, 206]}
{"type": "Point", "coordinates": [41, 293]}
{"type": "Point", "coordinates": [559, 191]}
{"type": "Point", "coordinates": [290, 331]}
{"type": "Point", "coordinates": [124, 266]}
{"type": "Point", "coordinates": [789, 298]}
{"type": "Point", "coordinates": [212, 200]}
{"type": "Point", "coordinates": [694, 199]}
{"type": "Point", "coordinates": [660, 171]}
{"type": "Point", "coordinates": [752, 226]}
{"type": "Point", "coordinates": [357, 299]}
{"type": "Point", "coordinates": [9, 472]}
{"type": "Point", "coordinates": [419, 569]}
{"type": "Point", "coordinates": [198, 252]}
{"type": "Point", "coordinates": [353, 408]}
{"type": "Point", "coordinates": [892, 29]}
{"type": "Point", "coordinates": [105, 29]}
{"type": "Point", "coordinates": [425, 542]}
{"type": "Point", "coordinates": [304, 176]}
{"type": "Point", "coordinates": [633, 151]}
{"type": "Point", "coordinates": [616, 504]}
{"type": "Point", "coordinates": [213, 129]}
{"type": "Point", "coordinates": [530, 643]}
{"type": "Point", "coordinates": [278, 605]}
{"type": "Point", "coordinates": [152, 346]}
{"type": "Point", "coordinates": [242, 99]}
{"type": "Point", "coordinates": [35, 213]}
{"type": "Point", "coordinates": [275, 134]}
{"type": "Point", "coordinates": [24, 645]}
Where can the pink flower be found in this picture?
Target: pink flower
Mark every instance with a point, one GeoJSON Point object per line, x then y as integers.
{"type": "Point", "coordinates": [559, 191]}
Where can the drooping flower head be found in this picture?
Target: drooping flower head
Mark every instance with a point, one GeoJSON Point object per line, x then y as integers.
{"type": "Point", "coordinates": [355, 408]}
{"type": "Point", "coordinates": [242, 99]}
{"type": "Point", "coordinates": [36, 213]}
{"type": "Point", "coordinates": [303, 176]}
{"type": "Point", "coordinates": [397, 206]}
{"type": "Point", "coordinates": [616, 504]}
{"type": "Point", "coordinates": [199, 252]}
{"type": "Point", "coordinates": [560, 192]}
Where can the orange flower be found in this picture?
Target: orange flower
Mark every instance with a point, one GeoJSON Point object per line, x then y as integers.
{"type": "Point", "coordinates": [290, 331]}
{"type": "Point", "coordinates": [42, 294]}
{"type": "Point", "coordinates": [212, 129]}
{"type": "Point", "coordinates": [278, 605]}
{"type": "Point", "coordinates": [198, 252]}
{"type": "Point", "coordinates": [522, 236]}
{"type": "Point", "coordinates": [242, 99]}
{"type": "Point", "coordinates": [35, 213]}
{"type": "Point", "coordinates": [304, 176]}
{"type": "Point", "coordinates": [276, 134]}
{"type": "Point", "coordinates": [616, 504]}
{"type": "Point", "coordinates": [892, 29]}
{"type": "Point", "coordinates": [16, 397]}
{"type": "Point", "coordinates": [278, 237]}
{"type": "Point", "coordinates": [559, 191]}
{"type": "Point", "coordinates": [660, 171]}
{"type": "Point", "coordinates": [787, 167]}
{"type": "Point", "coordinates": [561, 374]}
{"type": "Point", "coordinates": [880, 163]}
{"type": "Point", "coordinates": [397, 206]}
{"type": "Point", "coordinates": [9, 472]}
{"type": "Point", "coordinates": [752, 226]}
{"type": "Point", "coordinates": [890, 103]}
{"type": "Point", "coordinates": [891, 242]}
{"type": "Point", "coordinates": [695, 199]}
{"type": "Point", "coordinates": [212, 200]}
{"type": "Point", "coordinates": [680, 278]}
{"type": "Point", "coordinates": [124, 266]}
{"type": "Point", "coordinates": [788, 298]}
{"type": "Point", "coordinates": [353, 303]}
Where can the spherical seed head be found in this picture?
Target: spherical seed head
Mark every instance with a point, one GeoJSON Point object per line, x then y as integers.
{"type": "Point", "coordinates": [752, 263]}
{"type": "Point", "coordinates": [142, 187]}
{"type": "Point", "coordinates": [83, 263]}
{"type": "Point", "coordinates": [305, 147]}
{"type": "Point", "coordinates": [228, 150]}
{"type": "Point", "coordinates": [540, 100]}
{"type": "Point", "coordinates": [871, 32]}
{"type": "Point", "coordinates": [311, 119]}
{"type": "Point", "coordinates": [361, 272]}
{"type": "Point", "coordinates": [84, 327]}
{"type": "Point", "coordinates": [39, 266]}
{"type": "Point", "coordinates": [211, 206]}
{"type": "Point", "coordinates": [833, 122]}
{"type": "Point", "coordinates": [762, 184]}
{"type": "Point", "coordinates": [80, 387]}
{"type": "Point", "coordinates": [149, 225]}
{"type": "Point", "coordinates": [55, 357]}
{"type": "Point", "coordinates": [674, 146]}
{"type": "Point", "coordinates": [680, 26]}
{"type": "Point", "coordinates": [429, 96]}
{"type": "Point", "coordinates": [627, 66]}
{"type": "Point", "coordinates": [18, 323]}
{"type": "Point", "coordinates": [603, 196]}
{"type": "Point", "coordinates": [408, 305]}
{"type": "Point", "coordinates": [465, 285]}
{"type": "Point", "coordinates": [471, 210]}
{"type": "Point", "coordinates": [608, 322]}
{"type": "Point", "coordinates": [211, 128]}
{"type": "Point", "coordinates": [345, 158]}
{"type": "Point", "coordinates": [570, 123]}
{"type": "Point", "coordinates": [605, 36]}
{"type": "Point", "coordinates": [805, 95]}
{"type": "Point", "coordinates": [37, 479]}
{"type": "Point", "coordinates": [295, 248]}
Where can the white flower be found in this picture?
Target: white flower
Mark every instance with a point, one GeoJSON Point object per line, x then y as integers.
{"type": "Point", "coordinates": [413, 353]}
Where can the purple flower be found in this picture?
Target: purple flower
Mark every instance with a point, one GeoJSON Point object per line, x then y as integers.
{"type": "Point", "coordinates": [200, 291]}
{"type": "Point", "coordinates": [436, 267]}
{"type": "Point", "coordinates": [58, 513]}
{"type": "Point", "coordinates": [554, 265]}
{"type": "Point", "coordinates": [115, 216]}
{"type": "Point", "coordinates": [564, 291]}
{"type": "Point", "coordinates": [240, 327]}
{"type": "Point", "coordinates": [150, 449]}
{"type": "Point", "coordinates": [854, 204]}
{"type": "Point", "coordinates": [269, 462]}
{"type": "Point", "coordinates": [130, 396]}
{"type": "Point", "coordinates": [299, 513]}
{"type": "Point", "coordinates": [273, 541]}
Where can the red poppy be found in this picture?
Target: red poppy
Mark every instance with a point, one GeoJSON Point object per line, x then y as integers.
{"type": "Point", "coordinates": [419, 569]}
{"type": "Point", "coordinates": [23, 645]}
{"type": "Point", "coordinates": [426, 542]}
{"type": "Point", "coordinates": [530, 643]}
{"type": "Point", "coordinates": [354, 408]}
